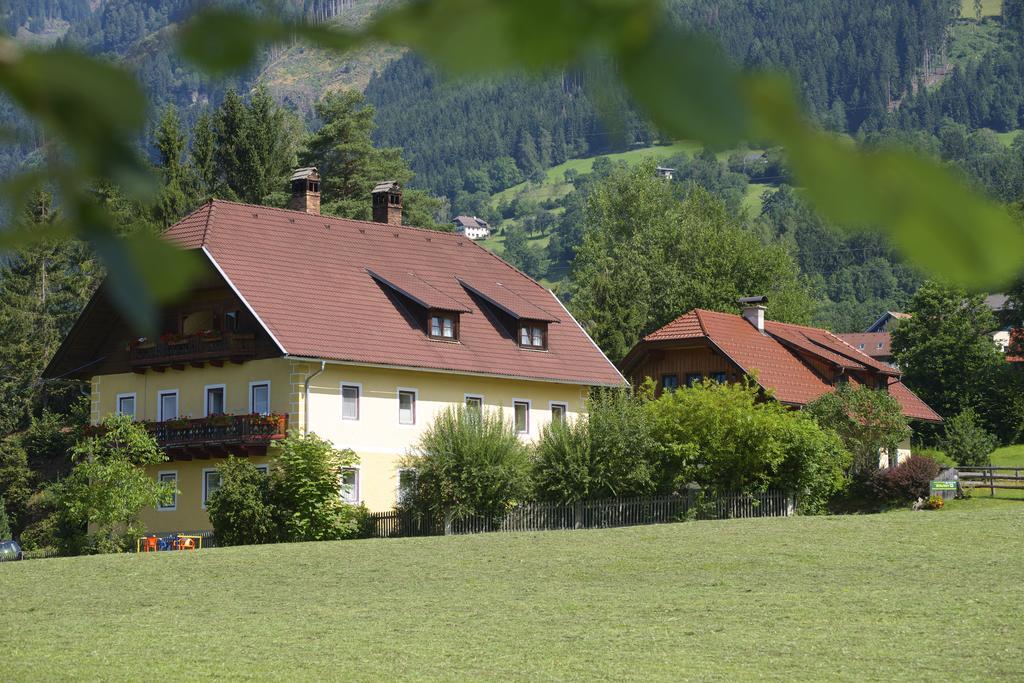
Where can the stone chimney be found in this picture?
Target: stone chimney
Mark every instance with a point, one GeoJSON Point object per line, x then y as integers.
{"type": "Point", "coordinates": [305, 190]}
{"type": "Point", "coordinates": [387, 203]}
{"type": "Point", "coordinates": [753, 310]}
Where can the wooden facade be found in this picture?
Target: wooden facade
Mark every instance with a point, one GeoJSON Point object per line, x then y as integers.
{"type": "Point", "coordinates": [211, 316]}
{"type": "Point", "coordinates": [686, 362]}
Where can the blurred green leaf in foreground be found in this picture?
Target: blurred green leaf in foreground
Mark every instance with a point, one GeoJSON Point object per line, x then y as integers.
{"type": "Point", "coordinates": [92, 115]}
{"type": "Point", "coordinates": [691, 91]}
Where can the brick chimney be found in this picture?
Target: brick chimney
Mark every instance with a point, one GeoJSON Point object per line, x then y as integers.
{"type": "Point", "coordinates": [305, 184]}
{"type": "Point", "coordinates": [387, 203]}
{"type": "Point", "coordinates": [753, 310]}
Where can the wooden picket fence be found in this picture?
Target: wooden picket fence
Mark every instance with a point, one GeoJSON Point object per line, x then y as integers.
{"type": "Point", "coordinates": [591, 514]}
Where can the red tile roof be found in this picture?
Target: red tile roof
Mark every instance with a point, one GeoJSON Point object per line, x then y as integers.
{"type": "Point", "coordinates": [508, 298]}
{"type": "Point", "coordinates": [913, 406]}
{"type": "Point", "coordinates": [774, 357]}
{"type": "Point", "coordinates": [306, 277]}
{"type": "Point", "coordinates": [416, 288]}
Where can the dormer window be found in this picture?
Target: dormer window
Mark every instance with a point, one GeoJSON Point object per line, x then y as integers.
{"type": "Point", "coordinates": [533, 334]}
{"type": "Point", "coordinates": [443, 325]}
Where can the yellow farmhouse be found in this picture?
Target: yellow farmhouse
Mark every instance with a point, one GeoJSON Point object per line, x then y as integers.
{"type": "Point", "coordinates": [358, 331]}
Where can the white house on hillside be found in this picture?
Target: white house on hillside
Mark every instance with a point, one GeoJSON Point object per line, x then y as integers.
{"type": "Point", "coordinates": [472, 227]}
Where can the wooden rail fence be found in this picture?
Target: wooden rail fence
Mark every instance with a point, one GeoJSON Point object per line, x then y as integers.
{"type": "Point", "coordinates": [592, 514]}
{"type": "Point", "coordinates": [992, 478]}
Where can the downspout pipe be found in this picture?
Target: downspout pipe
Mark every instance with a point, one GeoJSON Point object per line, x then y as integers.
{"type": "Point", "coordinates": [305, 407]}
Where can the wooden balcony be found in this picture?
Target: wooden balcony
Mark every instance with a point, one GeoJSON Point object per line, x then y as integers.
{"type": "Point", "coordinates": [218, 436]}
{"type": "Point", "coordinates": [196, 350]}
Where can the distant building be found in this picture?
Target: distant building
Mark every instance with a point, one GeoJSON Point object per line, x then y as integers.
{"type": "Point", "coordinates": [793, 364]}
{"type": "Point", "coordinates": [886, 321]}
{"type": "Point", "coordinates": [665, 172]}
{"type": "Point", "coordinates": [878, 345]}
{"type": "Point", "coordinates": [472, 227]}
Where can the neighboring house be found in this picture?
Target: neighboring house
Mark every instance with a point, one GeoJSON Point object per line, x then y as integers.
{"type": "Point", "coordinates": [886, 321]}
{"type": "Point", "coordinates": [664, 172]}
{"type": "Point", "coordinates": [472, 227]}
{"type": "Point", "coordinates": [878, 345]}
{"type": "Point", "coordinates": [358, 331]}
{"type": "Point", "coordinates": [797, 364]}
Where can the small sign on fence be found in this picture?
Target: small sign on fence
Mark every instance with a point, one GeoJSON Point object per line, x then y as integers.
{"type": "Point", "coordinates": [945, 489]}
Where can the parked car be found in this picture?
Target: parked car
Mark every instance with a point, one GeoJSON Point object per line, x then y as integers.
{"type": "Point", "coordinates": [10, 551]}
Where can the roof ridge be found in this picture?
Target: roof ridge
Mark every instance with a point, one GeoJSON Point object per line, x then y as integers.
{"type": "Point", "coordinates": [448, 233]}
{"type": "Point", "coordinates": [700, 321]}
{"type": "Point", "coordinates": [209, 219]}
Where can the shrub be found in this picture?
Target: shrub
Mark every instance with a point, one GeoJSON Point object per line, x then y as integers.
{"type": "Point", "coordinates": [609, 452]}
{"type": "Point", "coordinates": [297, 501]}
{"type": "Point", "coordinates": [563, 470]}
{"type": "Point", "coordinates": [108, 487]}
{"type": "Point", "coordinates": [934, 503]}
{"type": "Point", "coordinates": [468, 463]}
{"type": "Point", "coordinates": [16, 482]}
{"type": "Point", "coordinates": [725, 438]}
{"type": "Point", "coordinates": [966, 441]}
{"type": "Point", "coordinates": [867, 420]}
{"type": "Point", "coordinates": [905, 482]}
{"type": "Point", "coordinates": [241, 510]}
{"type": "Point", "coordinates": [304, 487]}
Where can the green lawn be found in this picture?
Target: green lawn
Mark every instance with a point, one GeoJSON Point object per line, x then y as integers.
{"type": "Point", "coordinates": [876, 597]}
{"type": "Point", "coordinates": [1008, 456]}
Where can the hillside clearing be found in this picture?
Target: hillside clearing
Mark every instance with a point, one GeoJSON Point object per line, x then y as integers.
{"type": "Point", "coordinates": [989, 8]}
{"type": "Point", "coordinates": [876, 597]}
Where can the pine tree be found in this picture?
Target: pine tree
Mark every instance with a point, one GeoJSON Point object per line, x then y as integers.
{"type": "Point", "coordinates": [342, 149]}
{"type": "Point", "coordinates": [43, 287]}
{"type": "Point", "coordinates": [230, 128]}
{"type": "Point", "coordinates": [204, 156]}
{"type": "Point", "coordinates": [174, 199]}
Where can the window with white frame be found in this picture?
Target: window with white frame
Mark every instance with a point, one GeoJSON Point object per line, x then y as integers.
{"type": "Point", "coordinates": [126, 405]}
{"type": "Point", "coordinates": [211, 484]}
{"type": "Point", "coordinates": [558, 412]}
{"type": "Point", "coordinates": [349, 488]}
{"type": "Point", "coordinates": [167, 405]}
{"type": "Point", "coordinates": [406, 407]}
{"type": "Point", "coordinates": [474, 405]}
{"type": "Point", "coordinates": [406, 484]}
{"type": "Point", "coordinates": [171, 478]}
{"type": "Point", "coordinates": [522, 416]}
{"type": "Point", "coordinates": [350, 401]}
{"type": "Point", "coordinates": [215, 400]}
{"type": "Point", "coordinates": [259, 398]}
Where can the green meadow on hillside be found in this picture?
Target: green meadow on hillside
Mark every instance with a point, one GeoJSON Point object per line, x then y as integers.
{"type": "Point", "coordinates": [989, 8]}
{"type": "Point", "coordinates": [875, 597]}
{"type": "Point", "coordinates": [554, 187]}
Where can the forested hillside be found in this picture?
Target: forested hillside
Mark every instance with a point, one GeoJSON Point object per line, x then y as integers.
{"type": "Point", "coordinates": [852, 61]}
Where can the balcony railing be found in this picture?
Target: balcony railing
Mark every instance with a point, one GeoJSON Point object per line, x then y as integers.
{"type": "Point", "coordinates": [219, 430]}
{"type": "Point", "coordinates": [208, 348]}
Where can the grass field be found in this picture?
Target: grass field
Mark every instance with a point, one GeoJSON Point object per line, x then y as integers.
{"type": "Point", "coordinates": [878, 597]}
{"type": "Point", "coordinates": [989, 8]}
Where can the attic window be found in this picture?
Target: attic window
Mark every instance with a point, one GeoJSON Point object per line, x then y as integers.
{"type": "Point", "coordinates": [443, 325]}
{"type": "Point", "coordinates": [533, 334]}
